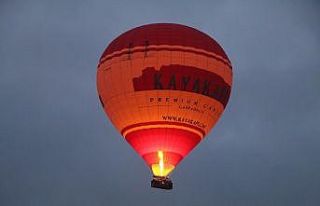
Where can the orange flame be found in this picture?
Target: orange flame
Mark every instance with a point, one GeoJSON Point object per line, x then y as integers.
{"type": "Point", "coordinates": [161, 169]}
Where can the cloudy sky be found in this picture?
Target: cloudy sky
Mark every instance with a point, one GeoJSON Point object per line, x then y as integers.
{"type": "Point", "coordinates": [58, 148]}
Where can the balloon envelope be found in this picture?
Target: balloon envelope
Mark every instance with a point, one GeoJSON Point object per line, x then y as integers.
{"type": "Point", "coordinates": [164, 86]}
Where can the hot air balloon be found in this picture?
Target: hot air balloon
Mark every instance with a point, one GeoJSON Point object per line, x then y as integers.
{"type": "Point", "coordinates": [164, 86]}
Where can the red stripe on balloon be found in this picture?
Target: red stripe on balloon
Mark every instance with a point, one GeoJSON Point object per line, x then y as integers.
{"type": "Point", "coordinates": [167, 49]}
{"type": "Point", "coordinates": [165, 34]}
{"type": "Point", "coordinates": [152, 123]}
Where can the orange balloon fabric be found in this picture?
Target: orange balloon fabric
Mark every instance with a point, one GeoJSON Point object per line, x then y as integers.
{"type": "Point", "coordinates": [164, 86]}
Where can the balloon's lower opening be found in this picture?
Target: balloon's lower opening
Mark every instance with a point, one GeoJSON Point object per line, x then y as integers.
{"type": "Point", "coordinates": [162, 149]}
{"type": "Point", "coordinates": [168, 144]}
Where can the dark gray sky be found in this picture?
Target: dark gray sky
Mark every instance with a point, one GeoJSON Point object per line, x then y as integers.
{"type": "Point", "coordinates": [58, 148]}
